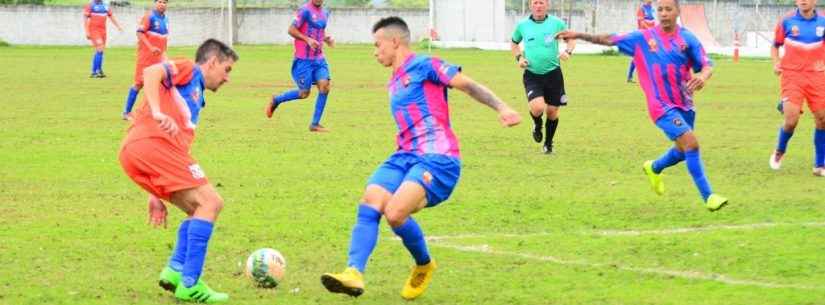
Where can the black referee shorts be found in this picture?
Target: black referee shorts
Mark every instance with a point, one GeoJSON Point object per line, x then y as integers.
{"type": "Point", "coordinates": [550, 86]}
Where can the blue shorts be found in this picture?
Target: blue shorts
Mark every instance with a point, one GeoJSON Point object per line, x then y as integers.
{"type": "Point", "coordinates": [307, 72]}
{"type": "Point", "coordinates": [438, 174]}
{"type": "Point", "coordinates": [676, 122]}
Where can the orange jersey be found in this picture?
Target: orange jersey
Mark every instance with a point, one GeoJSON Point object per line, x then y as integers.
{"type": "Point", "coordinates": [155, 26]}
{"type": "Point", "coordinates": [181, 98]}
{"type": "Point", "coordinates": [802, 39]}
{"type": "Point", "coordinates": [97, 13]}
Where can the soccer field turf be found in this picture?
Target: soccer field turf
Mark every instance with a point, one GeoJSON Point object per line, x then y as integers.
{"type": "Point", "coordinates": [579, 227]}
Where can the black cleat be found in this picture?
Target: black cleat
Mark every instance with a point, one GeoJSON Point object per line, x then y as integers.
{"type": "Point", "coordinates": [537, 136]}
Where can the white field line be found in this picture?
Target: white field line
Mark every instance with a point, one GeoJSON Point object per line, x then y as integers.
{"type": "Point", "coordinates": [671, 231]}
{"type": "Point", "coordinates": [693, 275]}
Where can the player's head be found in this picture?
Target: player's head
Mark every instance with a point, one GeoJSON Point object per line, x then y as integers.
{"type": "Point", "coordinates": [805, 5]}
{"type": "Point", "coordinates": [317, 3]}
{"type": "Point", "coordinates": [216, 60]}
{"type": "Point", "coordinates": [647, 1]}
{"type": "Point", "coordinates": [390, 34]}
{"type": "Point", "coordinates": [160, 5]}
{"type": "Point", "coordinates": [667, 12]}
{"type": "Point", "coordinates": [539, 7]}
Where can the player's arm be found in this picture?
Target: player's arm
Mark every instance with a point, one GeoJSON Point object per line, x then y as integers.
{"type": "Point", "coordinates": [153, 76]}
{"type": "Point", "coordinates": [602, 39]}
{"type": "Point", "coordinates": [778, 42]}
{"type": "Point", "coordinates": [86, 22]}
{"type": "Point", "coordinates": [570, 46]}
{"type": "Point", "coordinates": [114, 21]}
{"type": "Point", "coordinates": [777, 67]}
{"type": "Point", "coordinates": [295, 33]}
{"type": "Point", "coordinates": [145, 41]}
{"type": "Point", "coordinates": [330, 42]}
{"type": "Point", "coordinates": [699, 79]}
{"type": "Point", "coordinates": [506, 115]}
{"type": "Point", "coordinates": [515, 49]}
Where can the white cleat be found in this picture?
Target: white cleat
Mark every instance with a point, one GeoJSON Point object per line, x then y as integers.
{"type": "Point", "coordinates": [776, 160]}
{"type": "Point", "coordinates": [819, 171]}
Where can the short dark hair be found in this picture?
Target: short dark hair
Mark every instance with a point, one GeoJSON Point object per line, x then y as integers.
{"type": "Point", "coordinates": [213, 47]}
{"type": "Point", "coordinates": [392, 22]}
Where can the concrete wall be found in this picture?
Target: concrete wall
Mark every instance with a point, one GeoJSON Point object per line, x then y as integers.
{"type": "Point", "coordinates": [39, 25]}
{"type": "Point", "coordinates": [48, 25]}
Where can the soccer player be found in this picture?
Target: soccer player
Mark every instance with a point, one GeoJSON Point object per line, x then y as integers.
{"type": "Point", "coordinates": [802, 75]}
{"type": "Point", "coordinates": [664, 55]}
{"type": "Point", "coordinates": [645, 19]}
{"type": "Point", "coordinates": [425, 168]}
{"type": "Point", "coordinates": [152, 34]}
{"type": "Point", "coordinates": [155, 155]}
{"type": "Point", "coordinates": [309, 66]}
{"type": "Point", "coordinates": [543, 80]}
{"type": "Point", "coordinates": [96, 12]}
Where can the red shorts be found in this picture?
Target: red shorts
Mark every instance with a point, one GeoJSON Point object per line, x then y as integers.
{"type": "Point", "coordinates": [799, 86]}
{"type": "Point", "coordinates": [98, 38]}
{"type": "Point", "coordinates": [160, 168]}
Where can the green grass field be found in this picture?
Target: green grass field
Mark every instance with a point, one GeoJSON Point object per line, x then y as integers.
{"type": "Point", "coordinates": [579, 227]}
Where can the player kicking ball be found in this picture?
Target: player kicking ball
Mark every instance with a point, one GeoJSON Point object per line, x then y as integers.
{"type": "Point", "coordinates": [664, 56]}
{"type": "Point", "coordinates": [426, 166]}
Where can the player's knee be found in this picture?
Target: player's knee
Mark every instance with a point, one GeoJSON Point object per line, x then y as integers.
{"type": "Point", "coordinates": [303, 94]}
{"type": "Point", "coordinates": [395, 217]}
{"type": "Point", "coordinates": [324, 88]}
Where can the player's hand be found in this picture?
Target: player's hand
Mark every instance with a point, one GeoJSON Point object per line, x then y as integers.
{"type": "Point", "coordinates": [157, 212]}
{"type": "Point", "coordinates": [167, 124]}
{"type": "Point", "coordinates": [155, 50]}
{"type": "Point", "coordinates": [564, 56]}
{"type": "Point", "coordinates": [696, 84]}
{"type": "Point", "coordinates": [523, 63]}
{"type": "Point", "coordinates": [330, 42]}
{"type": "Point", "coordinates": [508, 117]}
{"type": "Point", "coordinates": [567, 35]}
{"type": "Point", "coordinates": [777, 69]}
{"type": "Point", "coordinates": [313, 44]}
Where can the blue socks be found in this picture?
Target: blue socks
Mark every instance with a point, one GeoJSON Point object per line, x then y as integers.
{"type": "Point", "coordinates": [130, 101]}
{"type": "Point", "coordinates": [364, 237]}
{"type": "Point", "coordinates": [631, 70]}
{"type": "Point", "coordinates": [179, 255]}
{"type": "Point", "coordinates": [672, 157]}
{"type": "Point", "coordinates": [320, 103]}
{"type": "Point", "coordinates": [697, 171]}
{"type": "Point", "coordinates": [784, 137]}
{"type": "Point", "coordinates": [197, 239]}
{"type": "Point", "coordinates": [819, 147]}
{"type": "Point", "coordinates": [97, 62]}
{"type": "Point", "coordinates": [287, 96]}
{"type": "Point", "coordinates": [413, 239]}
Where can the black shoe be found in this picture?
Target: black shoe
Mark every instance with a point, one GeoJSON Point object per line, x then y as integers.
{"type": "Point", "coordinates": [547, 149]}
{"type": "Point", "coordinates": [101, 75]}
{"type": "Point", "coordinates": [94, 75]}
{"type": "Point", "coordinates": [537, 136]}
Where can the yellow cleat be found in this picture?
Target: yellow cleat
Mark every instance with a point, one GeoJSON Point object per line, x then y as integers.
{"type": "Point", "coordinates": [418, 281]}
{"type": "Point", "coordinates": [655, 179]}
{"type": "Point", "coordinates": [349, 282]}
{"type": "Point", "coordinates": [715, 202]}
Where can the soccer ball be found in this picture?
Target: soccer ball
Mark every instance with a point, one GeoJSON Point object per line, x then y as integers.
{"type": "Point", "coordinates": [266, 267]}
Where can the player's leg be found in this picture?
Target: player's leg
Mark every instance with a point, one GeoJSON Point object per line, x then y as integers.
{"type": "Point", "coordinates": [555, 97]}
{"type": "Point", "coordinates": [101, 46]}
{"type": "Point", "coordinates": [383, 182]}
{"type": "Point", "coordinates": [630, 71]}
{"type": "Point", "coordinates": [535, 101]}
{"type": "Point", "coordinates": [322, 79]}
{"type": "Point", "coordinates": [205, 204]}
{"type": "Point", "coordinates": [816, 102]}
{"type": "Point", "coordinates": [428, 183]}
{"type": "Point", "coordinates": [170, 276]}
{"type": "Point", "coordinates": [302, 75]}
{"type": "Point", "coordinates": [689, 144]}
{"type": "Point", "coordinates": [133, 92]}
{"type": "Point", "coordinates": [792, 98]}
{"type": "Point", "coordinates": [97, 59]}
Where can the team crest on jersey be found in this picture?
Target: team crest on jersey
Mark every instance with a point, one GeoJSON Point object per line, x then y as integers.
{"type": "Point", "coordinates": [652, 44]}
{"type": "Point", "coordinates": [427, 177]}
{"type": "Point", "coordinates": [157, 24]}
{"type": "Point", "coordinates": [795, 31]}
{"type": "Point", "coordinates": [820, 31]}
{"type": "Point", "coordinates": [405, 81]}
{"type": "Point", "coordinates": [196, 171]}
{"type": "Point", "coordinates": [196, 95]}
